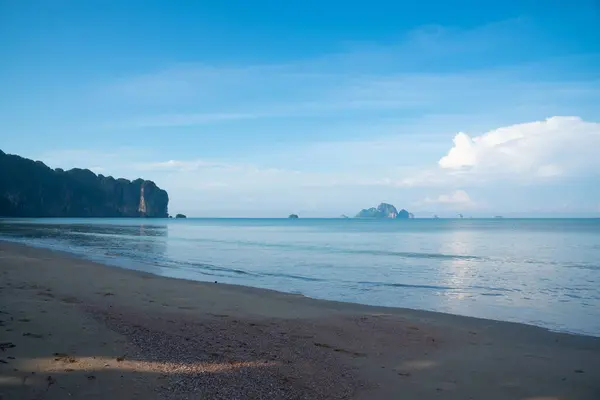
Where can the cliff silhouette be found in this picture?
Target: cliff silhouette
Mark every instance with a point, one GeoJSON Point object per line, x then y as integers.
{"type": "Point", "coordinates": [31, 189]}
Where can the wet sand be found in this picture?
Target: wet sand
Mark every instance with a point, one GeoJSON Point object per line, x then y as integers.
{"type": "Point", "coordinates": [71, 328]}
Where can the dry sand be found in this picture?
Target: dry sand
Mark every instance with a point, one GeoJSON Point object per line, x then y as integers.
{"type": "Point", "coordinates": [72, 328]}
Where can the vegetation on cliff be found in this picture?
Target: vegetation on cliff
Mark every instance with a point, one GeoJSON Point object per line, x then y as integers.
{"type": "Point", "coordinates": [384, 210]}
{"type": "Point", "coordinates": [31, 189]}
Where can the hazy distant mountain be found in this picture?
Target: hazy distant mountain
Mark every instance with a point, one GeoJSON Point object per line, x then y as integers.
{"type": "Point", "coordinates": [384, 210]}
{"type": "Point", "coordinates": [31, 189]}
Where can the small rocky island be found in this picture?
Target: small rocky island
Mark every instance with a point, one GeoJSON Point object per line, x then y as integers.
{"type": "Point", "coordinates": [384, 210]}
{"type": "Point", "coordinates": [179, 216]}
{"type": "Point", "coordinates": [293, 216]}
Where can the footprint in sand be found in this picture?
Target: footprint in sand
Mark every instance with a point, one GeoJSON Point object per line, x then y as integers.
{"type": "Point", "coordinates": [70, 300]}
{"type": "Point", "coordinates": [33, 335]}
{"type": "Point", "coordinates": [6, 345]}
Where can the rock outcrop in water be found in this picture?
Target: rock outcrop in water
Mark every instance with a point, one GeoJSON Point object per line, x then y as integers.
{"type": "Point", "coordinates": [31, 189]}
{"type": "Point", "coordinates": [384, 210]}
{"type": "Point", "coordinates": [293, 216]}
{"type": "Point", "coordinates": [180, 216]}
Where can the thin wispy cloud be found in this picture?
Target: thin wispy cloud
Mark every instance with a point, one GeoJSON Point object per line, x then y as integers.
{"type": "Point", "coordinates": [379, 96]}
{"type": "Point", "coordinates": [175, 120]}
{"type": "Point", "coordinates": [457, 200]}
{"type": "Point", "coordinates": [422, 73]}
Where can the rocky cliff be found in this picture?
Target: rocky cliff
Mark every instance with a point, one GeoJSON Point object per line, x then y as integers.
{"type": "Point", "coordinates": [31, 189]}
{"type": "Point", "coordinates": [384, 210]}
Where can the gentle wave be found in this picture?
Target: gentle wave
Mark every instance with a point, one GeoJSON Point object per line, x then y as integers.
{"type": "Point", "coordinates": [407, 285]}
{"type": "Point", "coordinates": [341, 250]}
{"type": "Point", "coordinates": [436, 287]}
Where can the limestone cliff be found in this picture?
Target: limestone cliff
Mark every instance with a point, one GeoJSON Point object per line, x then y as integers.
{"type": "Point", "coordinates": [384, 210]}
{"type": "Point", "coordinates": [31, 189]}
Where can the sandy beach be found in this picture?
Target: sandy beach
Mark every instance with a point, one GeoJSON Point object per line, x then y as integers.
{"type": "Point", "coordinates": [71, 328]}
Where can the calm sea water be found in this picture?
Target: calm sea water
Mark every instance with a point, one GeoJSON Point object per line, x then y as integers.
{"type": "Point", "coordinates": [541, 272]}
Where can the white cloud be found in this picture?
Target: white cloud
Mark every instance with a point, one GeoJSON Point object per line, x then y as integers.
{"type": "Point", "coordinates": [456, 199]}
{"type": "Point", "coordinates": [177, 165]}
{"type": "Point", "coordinates": [557, 146]}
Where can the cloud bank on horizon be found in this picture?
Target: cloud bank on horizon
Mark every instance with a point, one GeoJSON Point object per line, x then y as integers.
{"type": "Point", "coordinates": [435, 110]}
{"type": "Point", "coordinates": [534, 156]}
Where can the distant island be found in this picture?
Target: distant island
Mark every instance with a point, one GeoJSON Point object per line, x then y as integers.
{"type": "Point", "coordinates": [180, 216]}
{"type": "Point", "coordinates": [31, 189]}
{"type": "Point", "coordinates": [384, 210]}
{"type": "Point", "coordinates": [293, 216]}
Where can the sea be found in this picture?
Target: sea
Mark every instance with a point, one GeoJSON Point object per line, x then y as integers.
{"type": "Point", "coordinates": [544, 272]}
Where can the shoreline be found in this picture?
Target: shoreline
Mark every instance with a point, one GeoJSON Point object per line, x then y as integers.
{"type": "Point", "coordinates": [105, 263]}
{"type": "Point", "coordinates": [92, 329]}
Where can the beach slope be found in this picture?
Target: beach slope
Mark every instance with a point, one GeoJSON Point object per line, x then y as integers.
{"type": "Point", "coordinates": [71, 328]}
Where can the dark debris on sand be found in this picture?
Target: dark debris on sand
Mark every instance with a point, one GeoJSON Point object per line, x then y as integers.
{"type": "Point", "coordinates": [223, 358]}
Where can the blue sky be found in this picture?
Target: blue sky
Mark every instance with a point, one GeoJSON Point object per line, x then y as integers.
{"type": "Point", "coordinates": [321, 108]}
